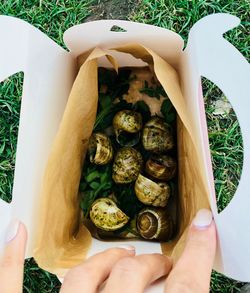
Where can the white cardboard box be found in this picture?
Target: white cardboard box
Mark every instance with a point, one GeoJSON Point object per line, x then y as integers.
{"type": "Point", "coordinates": [49, 72]}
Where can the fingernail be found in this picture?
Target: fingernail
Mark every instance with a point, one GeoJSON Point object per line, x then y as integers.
{"type": "Point", "coordinates": [127, 247]}
{"type": "Point", "coordinates": [12, 230]}
{"type": "Point", "coordinates": [203, 218]}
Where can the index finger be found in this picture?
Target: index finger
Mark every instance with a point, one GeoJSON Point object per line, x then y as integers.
{"type": "Point", "coordinates": [89, 275]}
{"type": "Point", "coordinates": [134, 274]}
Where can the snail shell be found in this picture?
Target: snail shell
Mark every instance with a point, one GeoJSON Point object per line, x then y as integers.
{"type": "Point", "coordinates": [105, 215]}
{"type": "Point", "coordinates": [157, 136]}
{"type": "Point", "coordinates": [152, 193]}
{"type": "Point", "coordinates": [154, 223]}
{"type": "Point", "coordinates": [161, 167]}
{"type": "Point", "coordinates": [130, 232]}
{"type": "Point", "coordinates": [127, 165]}
{"type": "Point", "coordinates": [127, 124]}
{"type": "Point", "coordinates": [100, 149]}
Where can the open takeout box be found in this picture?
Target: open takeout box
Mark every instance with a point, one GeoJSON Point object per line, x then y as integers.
{"type": "Point", "coordinates": [49, 72]}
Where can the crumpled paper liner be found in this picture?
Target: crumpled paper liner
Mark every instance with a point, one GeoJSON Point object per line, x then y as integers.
{"type": "Point", "coordinates": [62, 241]}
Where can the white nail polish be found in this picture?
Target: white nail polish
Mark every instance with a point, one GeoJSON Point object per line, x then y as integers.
{"type": "Point", "coordinates": [203, 218]}
{"type": "Point", "coordinates": [127, 247]}
{"type": "Point", "coordinates": [12, 230]}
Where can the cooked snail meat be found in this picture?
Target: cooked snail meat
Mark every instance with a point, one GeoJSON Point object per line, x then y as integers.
{"type": "Point", "coordinates": [155, 223]}
{"type": "Point", "coordinates": [157, 136]}
{"type": "Point", "coordinates": [161, 167]}
{"type": "Point", "coordinates": [127, 125]}
{"type": "Point", "coordinates": [127, 165]}
{"type": "Point", "coordinates": [100, 149]}
{"type": "Point", "coordinates": [105, 215]}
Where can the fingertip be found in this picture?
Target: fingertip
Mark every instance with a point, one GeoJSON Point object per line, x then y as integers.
{"type": "Point", "coordinates": [23, 230]}
{"type": "Point", "coordinates": [202, 236]}
{"type": "Point", "coordinates": [16, 231]}
{"type": "Point", "coordinates": [128, 248]}
{"type": "Point", "coordinates": [203, 219]}
{"type": "Point", "coordinates": [116, 252]}
{"type": "Point", "coordinates": [22, 234]}
{"type": "Point", "coordinates": [205, 235]}
{"type": "Point", "coordinates": [203, 227]}
{"type": "Point", "coordinates": [210, 229]}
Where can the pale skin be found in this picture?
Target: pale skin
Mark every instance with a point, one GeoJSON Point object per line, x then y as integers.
{"type": "Point", "coordinates": [121, 269]}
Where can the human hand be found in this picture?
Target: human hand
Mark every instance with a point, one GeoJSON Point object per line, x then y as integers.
{"type": "Point", "coordinates": [125, 272]}
{"type": "Point", "coordinates": [122, 270]}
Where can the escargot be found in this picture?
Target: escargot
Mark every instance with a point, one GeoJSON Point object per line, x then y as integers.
{"type": "Point", "coordinates": [128, 232]}
{"type": "Point", "coordinates": [152, 193]}
{"type": "Point", "coordinates": [105, 215]}
{"type": "Point", "coordinates": [157, 136]}
{"type": "Point", "coordinates": [100, 149]}
{"type": "Point", "coordinates": [127, 125]}
{"type": "Point", "coordinates": [161, 167]}
{"type": "Point", "coordinates": [127, 165]}
{"type": "Point", "coordinates": [154, 223]}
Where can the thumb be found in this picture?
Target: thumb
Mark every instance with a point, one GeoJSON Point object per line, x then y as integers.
{"type": "Point", "coordinates": [12, 260]}
{"type": "Point", "coordinates": [193, 270]}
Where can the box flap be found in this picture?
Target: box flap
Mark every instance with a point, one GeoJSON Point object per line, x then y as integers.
{"type": "Point", "coordinates": [208, 54]}
{"type": "Point", "coordinates": [86, 36]}
{"type": "Point", "coordinates": [49, 72]}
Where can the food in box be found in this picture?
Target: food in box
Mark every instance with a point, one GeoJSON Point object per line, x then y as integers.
{"type": "Point", "coordinates": [128, 174]}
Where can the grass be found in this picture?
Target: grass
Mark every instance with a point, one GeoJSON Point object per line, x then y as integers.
{"type": "Point", "coordinates": [225, 145]}
{"type": "Point", "coordinates": [54, 17]}
{"type": "Point", "coordinates": [10, 102]}
{"type": "Point", "coordinates": [51, 17]}
{"type": "Point", "coordinates": [227, 157]}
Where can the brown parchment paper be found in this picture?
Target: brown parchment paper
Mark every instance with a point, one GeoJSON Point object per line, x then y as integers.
{"type": "Point", "coordinates": [61, 240]}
